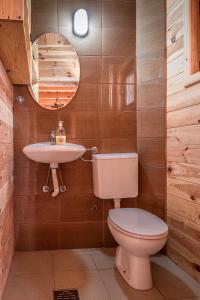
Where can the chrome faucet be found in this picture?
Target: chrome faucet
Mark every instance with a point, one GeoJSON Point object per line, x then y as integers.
{"type": "Point", "coordinates": [53, 137]}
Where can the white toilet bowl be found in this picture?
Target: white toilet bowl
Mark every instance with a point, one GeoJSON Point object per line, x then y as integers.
{"type": "Point", "coordinates": [138, 232]}
{"type": "Point", "coordinates": [139, 235]}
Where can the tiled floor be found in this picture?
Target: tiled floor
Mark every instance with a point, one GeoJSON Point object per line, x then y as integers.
{"type": "Point", "coordinates": [34, 275]}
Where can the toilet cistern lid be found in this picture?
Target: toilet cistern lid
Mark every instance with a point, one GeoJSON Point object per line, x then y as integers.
{"type": "Point", "coordinates": [138, 221]}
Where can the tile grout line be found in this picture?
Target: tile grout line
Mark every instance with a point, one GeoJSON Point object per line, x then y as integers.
{"type": "Point", "coordinates": [93, 260]}
{"type": "Point", "coordinates": [98, 271]}
{"type": "Point", "coordinates": [54, 280]}
{"type": "Point", "coordinates": [160, 292]}
{"type": "Point", "coordinates": [107, 292]}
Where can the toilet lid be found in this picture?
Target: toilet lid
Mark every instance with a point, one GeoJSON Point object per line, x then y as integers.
{"type": "Point", "coordinates": [138, 221]}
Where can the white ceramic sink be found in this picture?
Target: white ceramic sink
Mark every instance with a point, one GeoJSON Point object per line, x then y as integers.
{"type": "Point", "coordinates": [54, 154]}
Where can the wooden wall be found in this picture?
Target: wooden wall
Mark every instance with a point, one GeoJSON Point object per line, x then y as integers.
{"type": "Point", "coordinates": [183, 150]}
{"type": "Point", "coordinates": [6, 177]}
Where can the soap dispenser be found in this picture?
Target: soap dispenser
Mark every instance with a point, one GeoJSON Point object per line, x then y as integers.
{"type": "Point", "coordinates": [60, 134]}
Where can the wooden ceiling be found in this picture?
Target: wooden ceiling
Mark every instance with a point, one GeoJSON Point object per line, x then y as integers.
{"type": "Point", "coordinates": [58, 70]}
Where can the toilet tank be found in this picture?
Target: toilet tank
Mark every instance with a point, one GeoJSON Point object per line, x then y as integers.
{"type": "Point", "coordinates": [115, 175]}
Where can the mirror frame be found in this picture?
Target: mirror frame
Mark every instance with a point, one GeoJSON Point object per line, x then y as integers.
{"type": "Point", "coordinates": [30, 86]}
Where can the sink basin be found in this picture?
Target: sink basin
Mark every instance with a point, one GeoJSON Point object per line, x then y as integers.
{"type": "Point", "coordinates": [54, 154]}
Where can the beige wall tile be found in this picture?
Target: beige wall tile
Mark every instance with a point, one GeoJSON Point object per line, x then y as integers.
{"type": "Point", "coordinates": [151, 66]}
{"type": "Point", "coordinates": [117, 145]}
{"type": "Point", "coordinates": [90, 45]}
{"type": "Point", "coordinates": [151, 39]}
{"type": "Point", "coordinates": [151, 123]}
{"type": "Point", "coordinates": [87, 98]}
{"type": "Point", "coordinates": [152, 180]}
{"type": "Point", "coordinates": [151, 94]}
{"type": "Point", "coordinates": [37, 236]}
{"type": "Point", "coordinates": [152, 151]}
{"type": "Point", "coordinates": [118, 41]}
{"type": "Point", "coordinates": [90, 67]}
{"type": "Point", "coordinates": [119, 97]}
{"type": "Point", "coordinates": [118, 69]}
{"type": "Point", "coordinates": [89, 207]}
{"type": "Point", "coordinates": [81, 234]}
{"type": "Point", "coordinates": [118, 125]}
{"type": "Point", "coordinates": [120, 14]}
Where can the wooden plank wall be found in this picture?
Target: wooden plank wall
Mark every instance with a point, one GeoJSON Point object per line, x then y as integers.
{"type": "Point", "coordinates": [183, 150]}
{"type": "Point", "coordinates": [11, 9]}
{"type": "Point", "coordinates": [6, 177]}
{"type": "Point", "coordinates": [15, 50]}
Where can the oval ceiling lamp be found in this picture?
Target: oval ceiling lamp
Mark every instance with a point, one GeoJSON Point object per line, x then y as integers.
{"type": "Point", "coordinates": [80, 23]}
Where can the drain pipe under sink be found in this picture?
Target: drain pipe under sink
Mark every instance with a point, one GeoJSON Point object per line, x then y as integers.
{"type": "Point", "coordinates": [56, 190]}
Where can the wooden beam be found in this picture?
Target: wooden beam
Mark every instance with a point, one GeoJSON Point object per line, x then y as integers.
{"type": "Point", "coordinates": [15, 50]}
{"type": "Point", "coordinates": [59, 79]}
{"type": "Point", "coordinates": [58, 59]}
{"type": "Point", "coordinates": [57, 89]}
{"type": "Point", "coordinates": [56, 46]}
{"type": "Point", "coordinates": [55, 95]}
{"type": "Point", "coordinates": [11, 9]}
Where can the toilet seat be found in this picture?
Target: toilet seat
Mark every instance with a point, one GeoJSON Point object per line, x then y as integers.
{"type": "Point", "coordinates": [138, 223]}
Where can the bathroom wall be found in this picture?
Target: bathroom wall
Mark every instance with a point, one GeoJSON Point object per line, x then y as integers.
{"type": "Point", "coordinates": [6, 177]}
{"type": "Point", "coordinates": [183, 151]}
{"type": "Point", "coordinates": [151, 98]}
{"type": "Point", "coordinates": [102, 114]}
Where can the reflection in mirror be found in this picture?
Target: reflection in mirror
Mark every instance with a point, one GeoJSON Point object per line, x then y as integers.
{"type": "Point", "coordinates": [55, 71]}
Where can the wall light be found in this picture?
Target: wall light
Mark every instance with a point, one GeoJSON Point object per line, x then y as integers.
{"type": "Point", "coordinates": [80, 23]}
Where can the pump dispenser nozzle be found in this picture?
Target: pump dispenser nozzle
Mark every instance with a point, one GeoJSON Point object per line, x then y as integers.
{"type": "Point", "coordinates": [60, 134]}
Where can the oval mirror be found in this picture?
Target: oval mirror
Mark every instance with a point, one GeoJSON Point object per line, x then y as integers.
{"type": "Point", "coordinates": [55, 71]}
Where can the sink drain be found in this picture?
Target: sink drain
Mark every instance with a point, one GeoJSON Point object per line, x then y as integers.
{"type": "Point", "coordinates": [66, 295]}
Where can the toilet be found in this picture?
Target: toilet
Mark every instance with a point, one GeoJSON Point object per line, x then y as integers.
{"type": "Point", "coordinates": [139, 233]}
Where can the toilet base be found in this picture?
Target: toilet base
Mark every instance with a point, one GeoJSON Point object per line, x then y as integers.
{"type": "Point", "coordinates": [136, 271]}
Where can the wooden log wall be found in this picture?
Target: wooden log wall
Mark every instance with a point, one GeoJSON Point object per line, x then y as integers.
{"type": "Point", "coordinates": [6, 177]}
{"type": "Point", "coordinates": [183, 150]}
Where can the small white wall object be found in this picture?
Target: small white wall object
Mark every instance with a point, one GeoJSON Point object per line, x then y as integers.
{"type": "Point", "coordinates": [80, 23]}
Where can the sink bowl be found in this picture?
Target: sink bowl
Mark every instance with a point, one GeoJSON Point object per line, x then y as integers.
{"type": "Point", "coordinates": [54, 154]}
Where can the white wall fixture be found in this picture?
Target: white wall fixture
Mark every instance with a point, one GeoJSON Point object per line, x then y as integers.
{"type": "Point", "coordinates": [54, 155]}
{"type": "Point", "coordinates": [80, 23]}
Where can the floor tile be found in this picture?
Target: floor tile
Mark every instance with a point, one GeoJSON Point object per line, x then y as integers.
{"type": "Point", "coordinates": [29, 287]}
{"type": "Point", "coordinates": [104, 258]}
{"type": "Point", "coordinates": [88, 283]}
{"type": "Point", "coordinates": [92, 272]}
{"type": "Point", "coordinates": [193, 298]}
{"type": "Point", "coordinates": [64, 260]}
{"type": "Point", "coordinates": [32, 262]}
{"type": "Point", "coordinates": [118, 289]}
{"type": "Point", "coordinates": [171, 280]}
